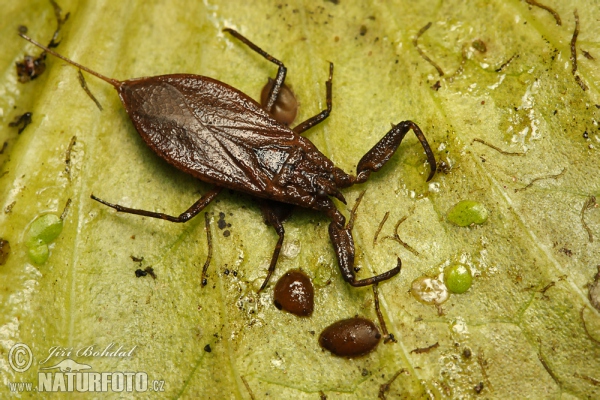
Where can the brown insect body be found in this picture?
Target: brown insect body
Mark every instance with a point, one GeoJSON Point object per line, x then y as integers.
{"type": "Point", "coordinates": [219, 135]}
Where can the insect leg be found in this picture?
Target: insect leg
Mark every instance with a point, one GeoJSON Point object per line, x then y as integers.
{"type": "Point", "coordinates": [385, 148]}
{"type": "Point", "coordinates": [344, 250]}
{"type": "Point", "coordinates": [281, 71]}
{"type": "Point", "coordinates": [320, 117]}
{"type": "Point", "coordinates": [274, 213]}
{"type": "Point", "coordinates": [343, 244]}
{"type": "Point", "coordinates": [183, 217]}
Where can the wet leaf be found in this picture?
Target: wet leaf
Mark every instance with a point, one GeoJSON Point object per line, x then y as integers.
{"type": "Point", "coordinates": [513, 127]}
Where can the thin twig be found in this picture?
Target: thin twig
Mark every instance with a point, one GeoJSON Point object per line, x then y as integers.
{"type": "Point", "coordinates": [396, 237]}
{"type": "Point", "coordinates": [416, 44]}
{"type": "Point", "coordinates": [65, 210]}
{"type": "Point", "coordinates": [574, 43]}
{"type": "Point", "coordinates": [505, 64]}
{"type": "Point", "coordinates": [588, 55]}
{"type": "Point", "coordinates": [425, 349]}
{"type": "Point", "coordinates": [353, 212]}
{"type": "Point", "coordinates": [548, 286]}
{"type": "Point", "coordinates": [60, 21]}
{"type": "Point", "coordinates": [388, 336]}
{"type": "Point", "coordinates": [23, 120]}
{"type": "Point", "coordinates": [574, 52]}
{"type": "Point", "coordinates": [482, 364]}
{"type": "Point", "coordinates": [499, 150]}
{"type": "Point", "coordinates": [386, 386]}
{"type": "Point", "coordinates": [68, 156]}
{"type": "Point", "coordinates": [550, 10]}
{"type": "Point", "coordinates": [590, 203]}
{"type": "Point", "coordinates": [385, 217]}
{"type": "Point", "coordinates": [555, 176]}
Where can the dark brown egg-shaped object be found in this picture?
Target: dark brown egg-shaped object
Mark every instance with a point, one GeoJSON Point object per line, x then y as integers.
{"type": "Point", "coordinates": [294, 293]}
{"type": "Point", "coordinates": [350, 337]}
{"type": "Point", "coordinates": [286, 106]}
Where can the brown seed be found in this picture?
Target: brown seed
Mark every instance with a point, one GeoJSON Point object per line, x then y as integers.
{"type": "Point", "coordinates": [350, 337]}
{"type": "Point", "coordinates": [294, 293]}
{"type": "Point", "coordinates": [286, 106]}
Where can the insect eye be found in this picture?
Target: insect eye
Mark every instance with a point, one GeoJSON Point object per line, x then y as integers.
{"type": "Point", "coordinates": [321, 193]}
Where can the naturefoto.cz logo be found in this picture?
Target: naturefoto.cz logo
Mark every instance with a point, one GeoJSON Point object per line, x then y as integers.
{"type": "Point", "coordinates": [69, 375]}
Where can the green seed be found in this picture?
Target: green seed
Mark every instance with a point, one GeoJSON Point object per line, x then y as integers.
{"type": "Point", "coordinates": [38, 251]}
{"type": "Point", "coordinates": [45, 228]}
{"type": "Point", "coordinates": [458, 278]}
{"type": "Point", "coordinates": [467, 212]}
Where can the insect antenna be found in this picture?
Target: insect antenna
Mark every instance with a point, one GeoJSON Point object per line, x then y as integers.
{"type": "Point", "coordinates": [113, 82]}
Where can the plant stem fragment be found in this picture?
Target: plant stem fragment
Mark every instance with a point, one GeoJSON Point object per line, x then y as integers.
{"type": "Point", "coordinates": [85, 87]}
{"type": "Point", "coordinates": [505, 64]}
{"type": "Point", "coordinates": [385, 217]}
{"type": "Point", "coordinates": [499, 150]}
{"type": "Point", "coordinates": [389, 337]}
{"type": "Point", "coordinates": [60, 21]}
{"type": "Point", "coordinates": [550, 10]}
{"type": "Point", "coordinates": [396, 237]}
{"type": "Point", "coordinates": [210, 248]}
{"type": "Point", "coordinates": [482, 364]}
{"type": "Point", "coordinates": [416, 44]}
{"type": "Point", "coordinates": [22, 120]}
{"type": "Point", "coordinates": [590, 203]}
{"type": "Point", "coordinates": [65, 210]}
{"type": "Point", "coordinates": [386, 386]}
{"type": "Point", "coordinates": [68, 156]}
{"type": "Point", "coordinates": [353, 212]}
{"type": "Point", "coordinates": [588, 55]}
{"type": "Point", "coordinates": [555, 176]}
{"type": "Point", "coordinates": [548, 286]}
{"type": "Point", "coordinates": [574, 52]}
{"type": "Point", "coordinates": [425, 349]}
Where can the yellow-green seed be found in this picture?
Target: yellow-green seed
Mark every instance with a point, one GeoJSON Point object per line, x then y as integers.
{"type": "Point", "coordinates": [38, 251]}
{"type": "Point", "coordinates": [458, 278]}
{"type": "Point", "coordinates": [467, 212]}
{"type": "Point", "coordinates": [46, 228]}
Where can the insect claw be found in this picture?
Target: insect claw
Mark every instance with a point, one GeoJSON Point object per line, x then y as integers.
{"type": "Point", "coordinates": [338, 195]}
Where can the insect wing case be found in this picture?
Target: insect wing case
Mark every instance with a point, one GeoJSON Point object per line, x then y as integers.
{"type": "Point", "coordinates": [220, 135]}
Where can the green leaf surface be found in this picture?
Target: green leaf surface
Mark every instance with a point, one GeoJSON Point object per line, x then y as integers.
{"type": "Point", "coordinates": [525, 328]}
